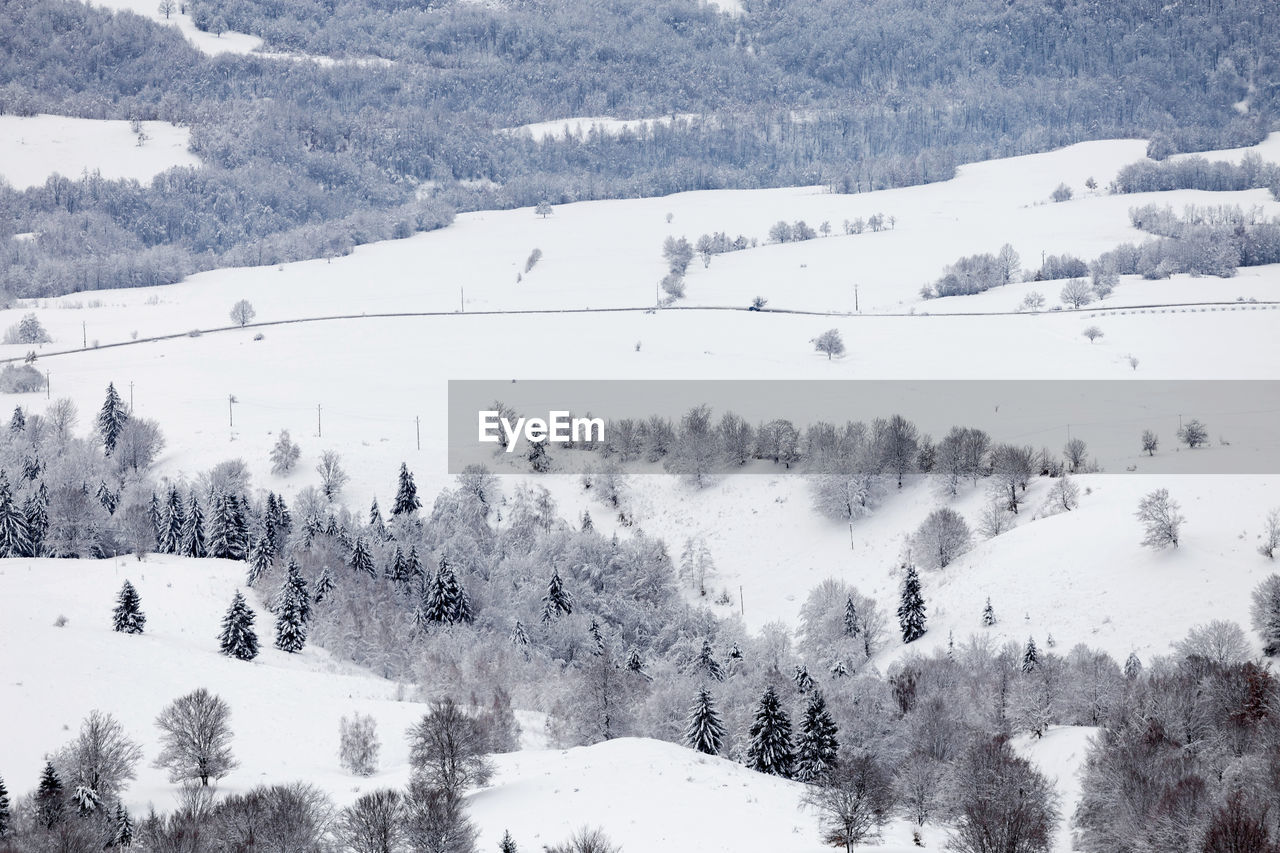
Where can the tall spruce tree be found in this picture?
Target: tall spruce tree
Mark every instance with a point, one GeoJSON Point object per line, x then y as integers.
{"type": "Point", "coordinates": [507, 844]}
{"type": "Point", "coordinates": [292, 611]}
{"type": "Point", "coordinates": [259, 558]}
{"type": "Point", "coordinates": [850, 618]}
{"type": "Point", "coordinates": [397, 570]}
{"type": "Point", "coordinates": [237, 639]}
{"type": "Point", "coordinates": [35, 509]}
{"type": "Point", "coordinates": [770, 748]}
{"type": "Point", "coordinates": [558, 601]}
{"type": "Point", "coordinates": [406, 494]}
{"type": "Point", "coordinates": [171, 525]}
{"type": "Point", "coordinates": [15, 540]}
{"type": "Point", "coordinates": [1132, 666]}
{"type": "Point", "coordinates": [446, 601]}
{"type": "Point", "coordinates": [817, 747]}
{"type": "Point", "coordinates": [6, 816]}
{"type": "Point", "coordinates": [911, 611]}
{"type": "Point", "coordinates": [324, 586]}
{"type": "Point", "coordinates": [111, 419]}
{"type": "Point", "coordinates": [705, 732]}
{"type": "Point", "coordinates": [988, 614]}
{"type": "Point", "coordinates": [18, 422]}
{"type": "Point", "coordinates": [361, 560]}
{"type": "Point", "coordinates": [708, 663]}
{"type": "Point", "coordinates": [156, 517]}
{"type": "Point", "coordinates": [413, 565]}
{"type": "Point", "coordinates": [193, 537]}
{"type": "Point", "coordinates": [49, 800]}
{"type": "Point", "coordinates": [128, 617]}
{"type": "Point", "coordinates": [376, 523]}
{"type": "Point", "coordinates": [1030, 656]}
{"type": "Point", "coordinates": [109, 499]}
{"type": "Point", "coordinates": [122, 827]}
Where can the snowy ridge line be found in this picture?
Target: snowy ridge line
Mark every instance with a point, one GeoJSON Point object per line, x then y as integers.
{"type": "Point", "coordinates": [649, 309]}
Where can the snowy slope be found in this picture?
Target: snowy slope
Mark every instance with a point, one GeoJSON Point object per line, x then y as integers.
{"type": "Point", "coordinates": [284, 708]}
{"type": "Point", "coordinates": [33, 148]}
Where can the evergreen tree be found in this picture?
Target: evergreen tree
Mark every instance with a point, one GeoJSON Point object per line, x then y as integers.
{"type": "Point", "coordinates": [558, 601]}
{"type": "Point", "coordinates": [838, 669]}
{"type": "Point", "coordinates": [49, 801]}
{"type": "Point", "coordinates": [122, 830]}
{"type": "Point", "coordinates": [770, 747]}
{"type": "Point", "coordinates": [170, 541]}
{"type": "Point", "coordinates": [507, 845]}
{"type": "Point", "coordinates": [5, 816]}
{"type": "Point", "coordinates": [157, 519]}
{"type": "Point", "coordinates": [361, 559]}
{"type": "Point", "coordinates": [850, 618]}
{"type": "Point", "coordinates": [15, 540]}
{"type": "Point", "coordinates": [519, 637]}
{"type": "Point", "coordinates": [111, 419]}
{"type": "Point", "coordinates": [597, 639]}
{"type": "Point", "coordinates": [324, 585]}
{"type": "Point", "coordinates": [804, 681]}
{"type": "Point", "coordinates": [911, 611]}
{"type": "Point", "coordinates": [228, 536]}
{"type": "Point", "coordinates": [376, 523]}
{"type": "Point", "coordinates": [1030, 656]}
{"type": "Point", "coordinates": [446, 602]}
{"type": "Point", "coordinates": [237, 639]}
{"type": "Point", "coordinates": [1132, 666]}
{"type": "Point", "coordinates": [635, 663]}
{"type": "Point", "coordinates": [988, 615]}
{"type": "Point", "coordinates": [128, 615]}
{"type": "Point", "coordinates": [35, 509]}
{"type": "Point", "coordinates": [817, 747]}
{"type": "Point", "coordinates": [109, 499]}
{"type": "Point", "coordinates": [587, 524]}
{"type": "Point", "coordinates": [87, 800]}
{"type": "Point", "coordinates": [193, 540]}
{"type": "Point", "coordinates": [708, 664]}
{"type": "Point", "coordinates": [292, 612]}
{"type": "Point", "coordinates": [259, 558]}
{"type": "Point", "coordinates": [18, 422]}
{"type": "Point", "coordinates": [406, 494]}
{"type": "Point", "coordinates": [705, 732]}
{"type": "Point", "coordinates": [413, 565]}
{"type": "Point", "coordinates": [397, 570]}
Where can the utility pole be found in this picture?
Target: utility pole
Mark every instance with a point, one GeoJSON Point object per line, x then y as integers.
{"type": "Point", "coordinates": [48, 389]}
{"type": "Point", "coordinates": [741, 605]}
{"type": "Point", "coordinates": [319, 432]}
{"type": "Point", "coordinates": [231, 398]}
{"type": "Point", "coordinates": [462, 301]}
{"type": "Point", "coordinates": [84, 333]}
{"type": "Point", "coordinates": [417, 430]}
{"type": "Point", "coordinates": [131, 398]}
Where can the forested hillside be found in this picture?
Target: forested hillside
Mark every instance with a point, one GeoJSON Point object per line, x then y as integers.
{"type": "Point", "coordinates": [304, 159]}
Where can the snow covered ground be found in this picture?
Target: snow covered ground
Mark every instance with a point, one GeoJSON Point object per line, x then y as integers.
{"type": "Point", "coordinates": [1080, 576]}
{"type": "Point", "coordinates": [33, 148]}
{"type": "Point", "coordinates": [228, 42]}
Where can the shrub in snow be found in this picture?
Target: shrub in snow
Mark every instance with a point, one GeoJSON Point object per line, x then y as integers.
{"type": "Point", "coordinates": [20, 379]}
{"type": "Point", "coordinates": [358, 744]}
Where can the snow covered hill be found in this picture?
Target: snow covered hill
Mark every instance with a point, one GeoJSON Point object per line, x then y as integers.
{"type": "Point", "coordinates": [372, 388]}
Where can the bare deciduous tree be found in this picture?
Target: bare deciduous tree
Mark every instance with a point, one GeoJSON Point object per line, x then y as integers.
{"type": "Point", "coordinates": [854, 801]}
{"type": "Point", "coordinates": [284, 455]}
{"type": "Point", "coordinates": [447, 748]}
{"type": "Point", "coordinates": [942, 537]}
{"type": "Point", "coordinates": [242, 313]}
{"type": "Point", "coordinates": [1161, 519]}
{"type": "Point", "coordinates": [196, 735]}
{"type": "Point", "coordinates": [358, 744]}
{"type": "Point", "coordinates": [101, 759]}
{"type": "Point", "coordinates": [1076, 293]}
{"type": "Point", "coordinates": [332, 475]}
{"type": "Point", "coordinates": [830, 343]}
{"type": "Point", "coordinates": [373, 823]}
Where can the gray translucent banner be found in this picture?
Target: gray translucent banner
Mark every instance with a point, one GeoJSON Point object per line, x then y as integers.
{"type": "Point", "coordinates": [1241, 418]}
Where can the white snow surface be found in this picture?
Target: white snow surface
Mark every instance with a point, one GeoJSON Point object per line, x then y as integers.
{"type": "Point", "coordinates": [1080, 576]}
{"type": "Point", "coordinates": [35, 147]}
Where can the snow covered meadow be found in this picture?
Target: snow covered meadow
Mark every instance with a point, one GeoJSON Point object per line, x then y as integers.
{"type": "Point", "coordinates": [372, 389]}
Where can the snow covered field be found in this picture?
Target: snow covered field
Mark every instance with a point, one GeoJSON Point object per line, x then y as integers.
{"type": "Point", "coordinates": [33, 148]}
{"type": "Point", "coordinates": [1079, 576]}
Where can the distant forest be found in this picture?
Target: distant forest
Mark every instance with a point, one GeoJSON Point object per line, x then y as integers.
{"type": "Point", "coordinates": [303, 160]}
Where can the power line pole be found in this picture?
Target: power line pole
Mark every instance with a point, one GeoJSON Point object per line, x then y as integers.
{"type": "Point", "coordinates": [48, 388]}
{"type": "Point", "coordinates": [84, 333]}
{"type": "Point", "coordinates": [417, 430]}
{"type": "Point", "coordinates": [231, 398]}
{"type": "Point", "coordinates": [319, 432]}
{"type": "Point", "coordinates": [131, 398]}
{"type": "Point", "coordinates": [856, 309]}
